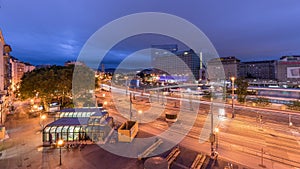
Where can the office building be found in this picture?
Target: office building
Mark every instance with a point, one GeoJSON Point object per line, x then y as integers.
{"type": "Point", "coordinates": [229, 66]}
{"type": "Point", "coordinates": [180, 65]}
{"type": "Point", "coordinates": [288, 69]}
{"type": "Point", "coordinates": [264, 70]}
{"type": "Point", "coordinates": [18, 69]}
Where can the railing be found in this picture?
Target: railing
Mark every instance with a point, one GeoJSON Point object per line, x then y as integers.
{"type": "Point", "coordinates": [198, 162]}
{"type": "Point", "coordinates": [150, 149]}
{"type": "Point", "coordinates": [173, 155]}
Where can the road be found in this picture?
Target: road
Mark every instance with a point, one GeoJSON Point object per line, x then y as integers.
{"type": "Point", "coordinates": [240, 139]}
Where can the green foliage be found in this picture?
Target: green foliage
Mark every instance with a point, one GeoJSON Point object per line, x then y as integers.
{"type": "Point", "coordinates": [53, 83]}
{"type": "Point", "coordinates": [295, 105]}
{"type": "Point", "coordinates": [83, 82]}
{"type": "Point", "coordinates": [241, 90]}
{"type": "Point", "coordinates": [262, 101]}
{"type": "Point", "coordinates": [47, 83]}
{"type": "Point", "coordinates": [209, 95]}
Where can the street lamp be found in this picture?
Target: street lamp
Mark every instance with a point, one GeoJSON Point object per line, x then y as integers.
{"type": "Point", "coordinates": [1, 111]}
{"type": "Point", "coordinates": [212, 135]}
{"type": "Point", "coordinates": [105, 103]}
{"type": "Point", "coordinates": [31, 101]}
{"type": "Point", "coordinates": [140, 112]}
{"type": "Point", "coordinates": [126, 77]}
{"type": "Point", "coordinates": [232, 95]}
{"type": "Point", "coordinates": [191, 102]}
{"type": "Point", "coordinates": [217, 135]}
{"type": "Point", "coordinates": [35, 107]}
{"type": "Point", "coordinates": [60, 143]}
{"type": "Point", "coordinates": [130, 105]}
{"type": "Point", "coordinates": [42, 118]}
{"type": "Point", "coordinates": [290, 120]}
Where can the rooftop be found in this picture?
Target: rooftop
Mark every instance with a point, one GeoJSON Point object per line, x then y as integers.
{"type": "Point", "coordinates": [86, 109]}
{"type": "Point", "coordinates": [67, 121]}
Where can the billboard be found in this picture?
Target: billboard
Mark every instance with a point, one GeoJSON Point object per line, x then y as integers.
{"type": "Point", "coordinates": [293, 72]}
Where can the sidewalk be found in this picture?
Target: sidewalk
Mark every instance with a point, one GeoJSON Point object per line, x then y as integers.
{"type": "Point", "coordinates": [6, 137]}
{"type": "Point", "coordinates": [3, 152]}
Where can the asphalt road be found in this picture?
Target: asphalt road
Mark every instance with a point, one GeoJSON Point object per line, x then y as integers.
{"type": "Point", "coordinates": [239, 139]}
{"type": "Point", "coordinates": [244, 139]}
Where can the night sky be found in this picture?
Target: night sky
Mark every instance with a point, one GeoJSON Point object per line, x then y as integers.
{"type": "Point", "coordinates": [52, 32]}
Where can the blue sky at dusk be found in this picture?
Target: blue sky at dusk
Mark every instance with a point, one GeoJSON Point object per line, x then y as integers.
{"type": "Point", "coordinates": [52, 32]}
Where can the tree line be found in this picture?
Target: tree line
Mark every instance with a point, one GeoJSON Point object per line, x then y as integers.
{"type": "Point", "coordinates": [57, 83]}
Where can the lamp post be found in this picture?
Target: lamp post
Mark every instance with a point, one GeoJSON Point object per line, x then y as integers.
{"type": "Point", "coordinates": [60, 143]}
{"type": "Point", "coordinates": [140, 112]}
{"type": "Point", "coordinates": [191, 102]}
{"type": "Point", "coordinates": [130, 105]}
{"type": "Point", "coordinates": [232, 96]}
{"type": "Point", "coordinates": [290, 120]}
{"type": "Point", "coordinates": [212, 135]}
{"type": "Point", "coordinates": [126, 77]}
{"type": "Point", "coordinates": [105, 104]}
{"type": "Point", "coordinates": [1, 111]}
{"type": "Point", "coordinates": [42, 118]}
{"type": "Point", "coordinates": [217, 137]}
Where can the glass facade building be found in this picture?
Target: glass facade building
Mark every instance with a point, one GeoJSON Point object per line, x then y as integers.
{"type": "Point", "coordinates": [176, 63]}
{"type": "Point", "coordinates": [86, 124]}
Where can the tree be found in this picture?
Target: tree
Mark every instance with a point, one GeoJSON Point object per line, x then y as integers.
{"type": "Point", "coordinates": [47, 84]}
{"type": "Point", "coordinates": [295, 105]}
{"type": "Point", "coordinates": [241, 91]}
{"type": "Point", "coordinates": [54, 83]}
{"type": "Point", "coordinates": [263, 101]}
{"type": "Point", "coordinates": [83, 84]}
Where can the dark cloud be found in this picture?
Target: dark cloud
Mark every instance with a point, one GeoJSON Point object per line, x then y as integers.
{"type": "Point", "coordinates": [55, 31]}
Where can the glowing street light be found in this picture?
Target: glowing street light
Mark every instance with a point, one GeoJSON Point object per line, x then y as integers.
{"type": "Point", "coordinates": [60, 143]}
{"type": "Point", "coordinates": [105, 103]}
{"type": "Point", "coordinates": [42, 118]}
{"type": "Point", "coordinates": [140, 112]}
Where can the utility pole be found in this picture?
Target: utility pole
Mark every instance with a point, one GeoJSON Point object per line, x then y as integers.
{"type": "Point", "coordinates": [232, 96]}
{"type": "Point", "coordinates": [130, 108]}
{"type": "Point", "coordinates": [212, 135]}
{"type": "Point", "coordinates": [290, 120]}
{"type": "Point", "coordinates": [262, 159]}
{"type": "Point", "coordinates": [158, 95]}
{"type": "Point", "coordinates": [191, 102]}
{"type": "Point", "coordinates": [1, 111]}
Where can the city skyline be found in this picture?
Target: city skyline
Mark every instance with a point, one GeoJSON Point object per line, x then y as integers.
{"type": "Point", "coordinates": [248, 30]}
